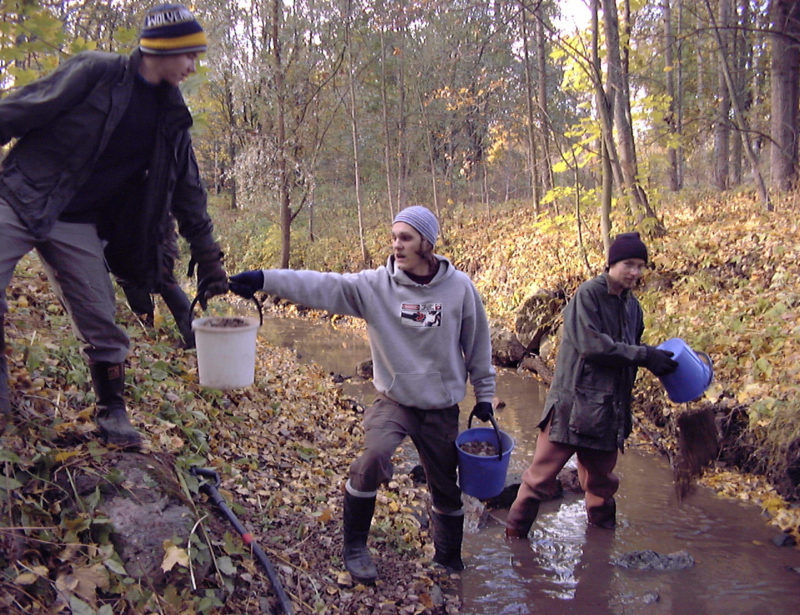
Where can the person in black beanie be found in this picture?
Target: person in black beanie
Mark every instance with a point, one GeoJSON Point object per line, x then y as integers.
{"type": "Point", "coordinates": [588, 406]}
{"type": "Point", "coordinates": [102, 156]}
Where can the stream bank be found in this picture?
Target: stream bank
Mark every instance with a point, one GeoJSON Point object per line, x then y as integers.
{"type": "Point", "coordinates": [567, 567]}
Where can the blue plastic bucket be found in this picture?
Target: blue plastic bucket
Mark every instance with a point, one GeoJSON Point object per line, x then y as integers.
{"type": "Point", "coordinates": [693, 375]}
{"type": "Point", "coordinates": [483, 476]}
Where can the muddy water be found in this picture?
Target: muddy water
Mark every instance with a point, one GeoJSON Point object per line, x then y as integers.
{"type": "Point", "coordinates": [565, 567]}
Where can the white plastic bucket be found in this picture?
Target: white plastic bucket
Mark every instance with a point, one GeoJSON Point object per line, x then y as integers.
{"type": "Point", "coordinates": [226, 351]}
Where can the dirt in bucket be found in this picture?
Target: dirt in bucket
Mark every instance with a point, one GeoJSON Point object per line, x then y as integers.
{"type": "Point", "coordinates": [227, 322]}
{"type": "Point", "coordinates": [479, 448]}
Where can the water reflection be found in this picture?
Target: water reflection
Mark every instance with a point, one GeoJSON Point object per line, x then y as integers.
{"type": "Point", "coordinates": [565, 567]}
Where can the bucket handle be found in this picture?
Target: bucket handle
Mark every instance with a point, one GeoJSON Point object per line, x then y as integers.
{"type": "Point", "coordinates": [201, 290]}
{"type": "Point", "coordinates": [496, 431]}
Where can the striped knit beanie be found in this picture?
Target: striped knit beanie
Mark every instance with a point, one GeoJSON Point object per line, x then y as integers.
{"type": "Point", "coordinates": [170, 29]}
{"type": "Point", "coordinates": [422, 219]}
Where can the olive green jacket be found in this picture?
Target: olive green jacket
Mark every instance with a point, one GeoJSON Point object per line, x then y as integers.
{"type": "Point", "coordinates": [589, 401]}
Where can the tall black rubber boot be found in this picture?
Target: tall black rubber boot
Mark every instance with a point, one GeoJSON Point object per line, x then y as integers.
{"type": "Point", "coordinates": [180, 307]}
{"type": "Point", "coordinates": [111, 417]}
{"type": "Point", "coordinates": [448, 533]}
{"type": "Point", "coordinates": [357, 519]}
{"type": "Point", "coordinates": [5, 397]}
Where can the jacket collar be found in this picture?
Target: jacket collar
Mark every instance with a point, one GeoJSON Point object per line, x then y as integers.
{"type": "Point", "coordinates": [176, 113]}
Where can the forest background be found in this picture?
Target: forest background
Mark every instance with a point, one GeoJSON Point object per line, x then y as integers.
{"type": "Point", "coordinates": [534, 136]}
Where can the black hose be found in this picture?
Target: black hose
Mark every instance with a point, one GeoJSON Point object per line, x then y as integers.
{"type": "Point", "coordinates": [214, 495]}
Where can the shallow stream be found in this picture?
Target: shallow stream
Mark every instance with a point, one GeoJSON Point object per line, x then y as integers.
{"type": "Point", "coordinates": [565, 567]}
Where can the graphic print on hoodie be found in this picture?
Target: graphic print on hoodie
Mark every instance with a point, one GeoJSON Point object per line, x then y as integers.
{"type": "Point", "coordinates": [421, 314]}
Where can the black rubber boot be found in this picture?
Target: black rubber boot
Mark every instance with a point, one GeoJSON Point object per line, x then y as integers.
{"type": "Point", "coordinates": [357, 519]}
{"type": "Point", "coordinates": [448, 533]}
{"type": "Point", "coordinates": [111, 417]}
{"type": "Point", "coordinates": [5, 397]}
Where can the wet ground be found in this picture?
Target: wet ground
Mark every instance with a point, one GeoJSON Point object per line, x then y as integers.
{"type": "Point", "coordinates": [566, 567]}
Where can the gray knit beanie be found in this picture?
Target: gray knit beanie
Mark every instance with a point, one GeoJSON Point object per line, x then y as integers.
{"type": "Point", "coordinates": [422, 219]}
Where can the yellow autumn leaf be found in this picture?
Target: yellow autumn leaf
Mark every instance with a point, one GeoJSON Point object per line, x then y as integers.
{"type": "Point", "coordinates": [30, 577]}
{"type": "Point", "coordinates": [173, 554]}
{"type": "Point", "coordinates": [84, 582]}
{"type": "Point", "coordinates": [65, 455]}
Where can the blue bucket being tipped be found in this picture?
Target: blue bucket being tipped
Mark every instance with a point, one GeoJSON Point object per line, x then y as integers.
{"type": "Point", "coordinates": [693, 375]}
{"type": "Point", "coordinates": [483, 476]}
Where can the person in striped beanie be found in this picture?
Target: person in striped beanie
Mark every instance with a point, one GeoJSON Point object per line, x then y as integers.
{"type": "Point", "coordinates": [171, 29]}
{"type": "Point", "coordinates": [101, 159]}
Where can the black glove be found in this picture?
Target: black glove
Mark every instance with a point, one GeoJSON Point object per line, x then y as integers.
{"type": "Point", "coordinates": [211, 276]}
{"type": "Point", "coordinates": [247, 283]}
{"type": "Point", "coordinates": [483, 410]}
{"type": "Point", "coordinates": [660, 362]}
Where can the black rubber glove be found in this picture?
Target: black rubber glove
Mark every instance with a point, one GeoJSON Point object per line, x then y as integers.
{"type": "Point", "coordinates": [247, 283]}
{"type": "Point", "coordinates": [660, 362]}
{"type": "Point", "coordinates": [483, 410]}
{"type": "Point", "coordinates": [211, 276]}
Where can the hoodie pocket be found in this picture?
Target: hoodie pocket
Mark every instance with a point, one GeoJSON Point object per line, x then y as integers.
{"type": "Point", "coordinates": [425, 390]}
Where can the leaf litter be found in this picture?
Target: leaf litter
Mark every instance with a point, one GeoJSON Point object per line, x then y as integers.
{"type": "Point", "coordinates": [282, 449]}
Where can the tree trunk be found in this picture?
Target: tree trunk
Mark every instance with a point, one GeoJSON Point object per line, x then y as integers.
{"type": "Point", "coordinates": [544, 116]}
{"type": "Point", "coordinates": [617, 83]}
{"type": "Point", "coordinates": [672, 150]}
{"type": "Point", "coordinates": [534, 179]}
{"type": "Point", "coordinates": [351, 78]}
{"type": "Point", "coordinates": [387, 142]}
{"type": "Point", "coordinates": [284, 198]}
{"type": "Point", "coordinates": [402, 160]}
{"type": "Point", "coordinates": [723, 104]}
{"type": "Point", "coordinates": [428, 130]}
{"type": "Point", "coordinates": [785, 20]}
{"type": "Point", "coordinates": [605, 156]}
{"type": "Point", "coordinates": [679, 99]}
{"type": "Point", "coordinates": [738, 118]}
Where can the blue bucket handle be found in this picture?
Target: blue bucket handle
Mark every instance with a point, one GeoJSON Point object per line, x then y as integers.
{"type": "Point", "coordinates": [496, 431]}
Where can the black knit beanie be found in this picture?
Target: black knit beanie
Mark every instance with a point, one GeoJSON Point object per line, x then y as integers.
{"type": "Point", "coordinates": [627, 245]}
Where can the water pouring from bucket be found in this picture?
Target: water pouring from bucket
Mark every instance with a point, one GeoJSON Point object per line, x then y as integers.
{"type": "Point", "coordinates": [483, 457]}
{"type": "Point", "coordinates": [698, 442]}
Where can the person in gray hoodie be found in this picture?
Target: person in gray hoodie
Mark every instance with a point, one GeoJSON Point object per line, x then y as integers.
{"type": "Point", "coordinates": [428, 333]}
{"type": "Point", "coordinates": [588, 407]}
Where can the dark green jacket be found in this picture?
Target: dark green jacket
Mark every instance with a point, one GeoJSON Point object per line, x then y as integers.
{"type": "Point", "coordinates": [589, 401]}
{"type": "Point", "coordinates": [63, 122]}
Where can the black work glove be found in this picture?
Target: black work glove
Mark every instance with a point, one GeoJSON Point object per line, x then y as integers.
{"type": "Point", "coordinates": [483, 410]}
{"type": "Point", "coordinates": [211, 276]}
{"type": "Point", "coordinates": [659, 361]}
{"type": "Point", "coordinates": [247, 283]}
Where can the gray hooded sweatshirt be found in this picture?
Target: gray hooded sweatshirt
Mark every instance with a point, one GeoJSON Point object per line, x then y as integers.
{"type": "Point", "coordinates": [425, 339]}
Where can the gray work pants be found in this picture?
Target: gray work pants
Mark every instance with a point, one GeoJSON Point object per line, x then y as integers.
{"type": "Point", "coordinates": [433, 432]}
{"type": "Point", "coordinates": [72, 256]}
